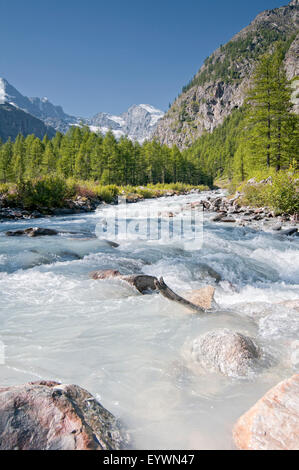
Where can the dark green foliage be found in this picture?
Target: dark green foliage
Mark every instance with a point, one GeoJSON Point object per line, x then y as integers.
{"type": "Point", "coordinates": [81, 154]}
{"type": "Point", "coordinates": [282, 195]}
{"type": "Point", "coordinates": [48, 191]}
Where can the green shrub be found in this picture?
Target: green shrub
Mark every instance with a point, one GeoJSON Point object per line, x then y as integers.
{"type": "Point", "coordinates": [282, 195]}
{"type": "Point", "coordinates": [49, 191]}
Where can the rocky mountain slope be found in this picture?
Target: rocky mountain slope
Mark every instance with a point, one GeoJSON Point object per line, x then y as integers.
{"type": "Point", "coordinates": [221, 83]}
{"type": "Point", "coordinates": [14, 121]}
{"type": "Point", "coordinates": [139, 122]}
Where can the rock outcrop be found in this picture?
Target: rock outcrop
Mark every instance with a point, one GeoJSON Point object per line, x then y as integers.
{"type": "Point", "coordinates": [220, 85]}
{"type": "Point", "coordinates": [292, 71]}
{"type": "Point", "coordinates": [224, 351]}
{"type": "Point", "coordinates": [273, 422]}
{"type": "Point", "coordinates": [47, 415]}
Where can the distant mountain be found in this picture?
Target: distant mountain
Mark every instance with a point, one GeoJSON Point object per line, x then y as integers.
{"type": "Point", "coordinates": [221, 83]}
{"type": "Point", "coordinates": [139, 122]}
{"type": "Point", "coordinates": [14, 121]}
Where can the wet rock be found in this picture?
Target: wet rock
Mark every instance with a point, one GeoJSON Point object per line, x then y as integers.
{"type": "Point", "coordinates": [15, 233]}
{"type": "Point", "coordinates": [111, 243]}
{"type": "Point", "coordinates": [202, 297]}
{"type": "Point", "coordinates": [277, 227]}
{"type": "Point", "coordinates": [147, 284]}
{"type": "Point", "coordinates": [228, 220]}
{"type": "Point", "coordinates": [141, 282]}
{"type": "Point", "coordinates": [273, 422]}
{"type": "Point", "coordinates": [51, 416]}
{"type": "Point", "coordinates": [32, 232]}
{"type": "Point", "coordinates": [289, 232]}
{"type": "Point", "coordinates": [218, 217]}
{"type": "Point", "coordinates": [38, 232]}
{"type": "Point", "coordinates": [105, 274]}
{"type": "Point", "coordinates": [226, 352]}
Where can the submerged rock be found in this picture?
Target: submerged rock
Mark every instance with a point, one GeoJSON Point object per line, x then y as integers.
{"type": "Point", "coordinates": [47, 415]}
{"type": "Point", "coordinates": [273, 422]}
{"type": "Point", "coordinates": [289, 232]}
{"type": "Point", "coordinates": [105, 274]}
{"type": "Point", "coordinates": [32, 232]}
{"type": "Point", "coordinates": [225, 352]}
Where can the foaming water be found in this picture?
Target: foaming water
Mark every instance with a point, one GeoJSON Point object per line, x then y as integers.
{"type": "Point", "coordinates": [128, 349]}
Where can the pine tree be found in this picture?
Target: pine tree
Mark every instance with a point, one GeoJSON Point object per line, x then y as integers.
{"type": "Point", "coordinates": [269, 118]}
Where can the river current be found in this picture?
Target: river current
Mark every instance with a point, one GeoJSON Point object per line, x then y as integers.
{"type": "Point", "coordinates": [128, 349]}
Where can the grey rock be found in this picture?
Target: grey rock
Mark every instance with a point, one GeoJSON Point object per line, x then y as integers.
{"type": "Point", "coordinates": [225, 352]}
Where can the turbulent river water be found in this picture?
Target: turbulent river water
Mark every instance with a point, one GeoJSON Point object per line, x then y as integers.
{"type": "Point", "coordinates": [127, 348]}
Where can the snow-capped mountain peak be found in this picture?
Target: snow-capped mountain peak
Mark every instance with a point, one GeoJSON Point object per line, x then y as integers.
{"type": "Point", "coordinates": [138, 123]}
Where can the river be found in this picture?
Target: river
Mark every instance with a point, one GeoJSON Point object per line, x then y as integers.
{"type": "Point", "coordinates": [127, 348]}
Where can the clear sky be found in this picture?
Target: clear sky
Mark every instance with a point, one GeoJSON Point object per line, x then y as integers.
{"type": "Point", "coordinates": [105, 55]}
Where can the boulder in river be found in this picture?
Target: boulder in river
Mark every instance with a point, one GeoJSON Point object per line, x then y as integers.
{"type": "Point", "coordinates": [273, 422]}
{"type": "Point", "coordinates": [289, 232]}
{"type": "Point", "coordinates": [47, 415]}
{"type": "Point", "coordinates": [32, 232]}
{"type": "Point", "coordinates": [218, 217]}
{"type": "Point", "coordinates": [224, 351]}
{"type": "Point", "coordinates": [147, 284]}
{"type": "Point", "coordinates": [202, 297]}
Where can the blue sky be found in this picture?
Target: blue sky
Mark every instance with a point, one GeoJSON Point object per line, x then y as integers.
{"type": "Point", "coordinates": [93, 55]}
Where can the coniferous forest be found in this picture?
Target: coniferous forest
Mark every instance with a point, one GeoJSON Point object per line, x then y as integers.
{"type": "Point", "coordinates": [84, 155]}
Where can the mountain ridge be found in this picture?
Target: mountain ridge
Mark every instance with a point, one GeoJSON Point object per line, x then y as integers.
{"type": "Point", "coordinates": [138, 122]}
{"type": "Point", "coordinates": [14, 121]}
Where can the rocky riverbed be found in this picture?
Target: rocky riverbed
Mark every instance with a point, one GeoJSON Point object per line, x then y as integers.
{"type": "Point", "coordinates": [175, 376]}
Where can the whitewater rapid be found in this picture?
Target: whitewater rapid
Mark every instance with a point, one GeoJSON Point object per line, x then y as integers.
{"type": "Point", "coordinates": [126, 348]}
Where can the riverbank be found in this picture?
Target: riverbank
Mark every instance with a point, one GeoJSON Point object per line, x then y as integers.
{"type": "Point", "coordinates": [53, 197]}
{"type": "Point", "coordinates": [230, 210]}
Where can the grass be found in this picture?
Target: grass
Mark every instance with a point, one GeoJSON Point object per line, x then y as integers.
{"type": "Point", "coordinates": [53, 192]}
